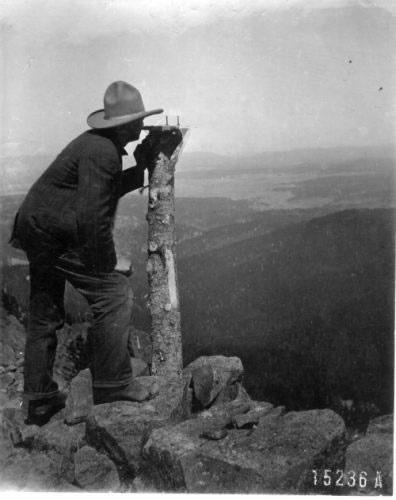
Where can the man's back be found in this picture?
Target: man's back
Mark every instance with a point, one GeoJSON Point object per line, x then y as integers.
{"type": "Point", "coordinates": [76, 193]}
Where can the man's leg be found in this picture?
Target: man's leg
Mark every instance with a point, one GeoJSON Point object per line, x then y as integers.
{"type": "Point", "coordinates": [41, 398]}
{"type": "Point", "coordinates": [110, 298]}
{"type": "Point", "coordinates": [46, 315]}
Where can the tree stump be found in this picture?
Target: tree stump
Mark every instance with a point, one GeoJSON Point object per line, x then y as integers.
{"type": "Point", "coordinates": [163, 300]}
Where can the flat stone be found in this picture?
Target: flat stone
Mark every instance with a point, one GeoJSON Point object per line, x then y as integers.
{"type": "Point", "coordinates": [252, 417]}
{"type": "Point", "coordinates": [211, 374]}
{"type": "Point", "coordinates": [273, 414]}
{"type": "Point", "coordinates": [95, 471]}
{"type": "Point", "coordinates": [79, 401]}
{"type": "Point", "coordinates": [276, 457]}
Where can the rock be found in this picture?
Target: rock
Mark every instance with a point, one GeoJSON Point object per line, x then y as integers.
{"type": "Point", "coordinates": [72, 351]}
{"type": "Point", "coordinates": [140, 345]}
{"type": "Point", "coordinates": [139, 485]}
{"type": "Point", "coordinates": [139, 367]}
{"type": "Point", "coordinates": [37, 458]}
{"type": "Point", "coordinates": [122, 428]}
{"type": "Point", "coordinates": [7, 356]}
{"type": "Point", "coordinates": [55, 436]}
{"type": "Point", "coordinates": [252, 417]}
{"type": "Point", "coordinates": [231, 392]}
{"type": "Point", "coordinates": [95, 471]}
{"type": "Point", "coordinates": [373, 456]}
{"type": "Point", "coordinates": [277, 457]}
{"type": "Point", "coordinates": [34, 472]}
{"type": "Point", "coordinates": [381, 424]}
{"type": "Point", "coordinates": [6, 379]}
{"type": "Point", "coordinates": [211, 374]}
{"type": "Point", "coordinates": [214, 435]}
{"type": "Point", "coordinates": [79, 401]}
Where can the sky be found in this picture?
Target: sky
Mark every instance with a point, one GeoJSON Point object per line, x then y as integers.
{"type": "Point", "coordinates": [246, 76]}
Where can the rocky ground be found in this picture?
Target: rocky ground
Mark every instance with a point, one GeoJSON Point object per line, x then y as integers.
{"type": "Point", "coordinates": [201, 434]}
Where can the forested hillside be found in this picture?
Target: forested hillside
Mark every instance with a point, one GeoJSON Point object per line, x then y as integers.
{"type": "Point", "coordinates": [309, 308]}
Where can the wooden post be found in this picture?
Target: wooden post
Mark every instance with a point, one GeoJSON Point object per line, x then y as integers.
{"type": "Point", "coordinates": [163, 300]}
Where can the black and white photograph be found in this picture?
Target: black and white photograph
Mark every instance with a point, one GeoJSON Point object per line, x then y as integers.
{"type": "Point", "coordinates": [197, 258]}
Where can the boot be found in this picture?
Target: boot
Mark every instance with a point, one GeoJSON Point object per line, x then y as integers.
{"type": "Point", "coordinates": [40, 411]}
{"type": "Point", "coordinates": [134, 392]}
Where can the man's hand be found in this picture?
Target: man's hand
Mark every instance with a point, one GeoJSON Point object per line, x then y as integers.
{"type": "Point", "coordinates": [165, 141]}
{"type": "Point", "coordinates": [146, 152]}
{"type": "Point", "coordinates": [124, 266]}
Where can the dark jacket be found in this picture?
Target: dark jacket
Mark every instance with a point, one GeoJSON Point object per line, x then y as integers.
{"type": "Point", "coordinates": [72, 205]}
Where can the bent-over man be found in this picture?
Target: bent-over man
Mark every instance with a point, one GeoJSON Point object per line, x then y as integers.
{"type": "Point", "coordinates": [65, 227]}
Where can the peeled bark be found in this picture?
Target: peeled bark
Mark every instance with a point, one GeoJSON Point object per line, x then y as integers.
{"type": "Point", "coordinates": [163, 300]}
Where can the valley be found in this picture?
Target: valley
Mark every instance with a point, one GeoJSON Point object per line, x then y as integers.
{"type": "Point", "coordinates": [297, 281]}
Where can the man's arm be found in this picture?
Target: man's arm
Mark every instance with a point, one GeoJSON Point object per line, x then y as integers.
{"type": "Point", "coordinates": [96, 203]}
{"type": "Point", "coordinates": [145, 154]}
{"type": "Point", "coordinates": [131, 179]}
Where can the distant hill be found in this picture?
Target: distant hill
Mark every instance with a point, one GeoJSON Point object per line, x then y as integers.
{"type": "Point", "coordinates": [320, 157]}
{"type": "Point", "coordinates": [279, 179]}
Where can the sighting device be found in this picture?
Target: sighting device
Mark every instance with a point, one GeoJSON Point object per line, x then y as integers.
{"type": "Point", "coordinates": [165, 138]}
{"type": "Point", "coordinates": [163, 128]}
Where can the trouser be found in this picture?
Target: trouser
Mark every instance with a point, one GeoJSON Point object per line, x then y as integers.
{"type": "Point", "coordinates": [110, 298]}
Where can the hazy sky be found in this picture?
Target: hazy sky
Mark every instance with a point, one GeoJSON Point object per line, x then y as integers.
{"type": "Point", "coordinates": [245, 75]}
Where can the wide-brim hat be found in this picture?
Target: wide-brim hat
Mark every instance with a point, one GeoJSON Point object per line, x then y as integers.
{"type": "Point", "coordinates": [122, 104]}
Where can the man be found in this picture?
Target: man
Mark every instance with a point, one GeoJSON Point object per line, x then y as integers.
{"type": "Point", "coordinates": [65, 227]}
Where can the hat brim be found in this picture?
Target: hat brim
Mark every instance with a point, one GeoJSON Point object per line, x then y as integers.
{"type": "Point", "coordinates": [97, 118]}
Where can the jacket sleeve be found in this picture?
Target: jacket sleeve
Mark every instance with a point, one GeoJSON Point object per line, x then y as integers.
{"type": "Point", "coordinates": [98, 181]}
{"type": "Point", "coordinates": [131, 179]}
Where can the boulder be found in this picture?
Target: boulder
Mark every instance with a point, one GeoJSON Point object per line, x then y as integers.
{"type": "Point", "coordinates": [55, 435]}
{"type": "Point", "coordinates": [383, 424]}
{"type": "Point", "coordinates": [55, 439]}
{"type": "Point", "coordinates": [211, 375]}
{"type": "Point", "coordinates": [231, 393]}
{"type": "Point", "coordinates": [370, 460]}
{"type": "Point", "coordinates": [275, 457]}
{"type": "Point", "coordinates": [79, 401]}
{"type": "Point", "coordinates": [121, 428]}
{"type": "Point", "coordinates": [94, 471]}
{"type": "Point", "coordinates": [37, 458]}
